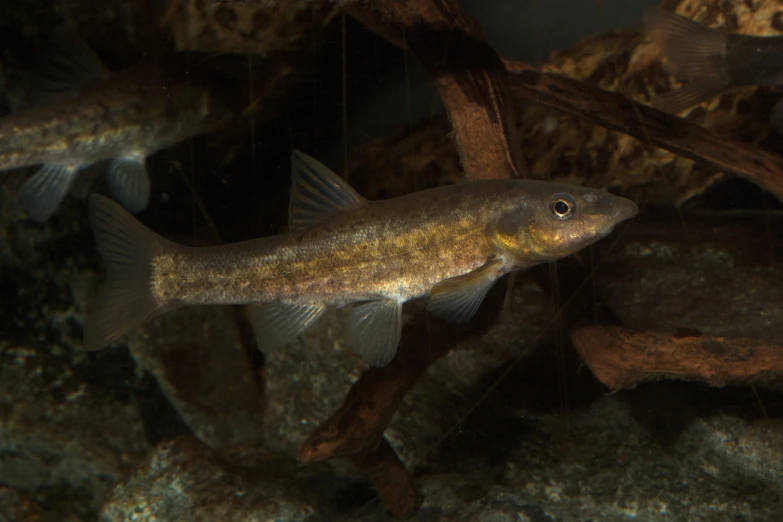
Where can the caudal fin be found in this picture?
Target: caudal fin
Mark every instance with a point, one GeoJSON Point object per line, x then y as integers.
{"type": "Point", "coordinates": [128, 249]}
{"type": "Point", "coordinates": [693, 52]}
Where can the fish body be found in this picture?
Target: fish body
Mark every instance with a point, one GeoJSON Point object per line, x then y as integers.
{"type": "Point", "coordinates": [713, 61]}
{"type": "Point", "coordinates": [138, 111]}
{"type": "Point", "coordinates": [448, 243]}
{"type": "Point", "coordinates": [397, 248]}
{"type": "Point", "coordinates": [89, 116]}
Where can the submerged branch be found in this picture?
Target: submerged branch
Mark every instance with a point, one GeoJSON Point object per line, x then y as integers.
{"type": "Point", "coordinates": [622, 358]}
{"type": "Point", "coordinates": [358, 426]}
{"type": "Point", "coordinates": [468, 73]}
{"type": "Point", "coordinates": [617, 112]}
{"type": "Point", "coordinates": [477, 88]}
{"type": "Point", "coordinates": [390, 478]}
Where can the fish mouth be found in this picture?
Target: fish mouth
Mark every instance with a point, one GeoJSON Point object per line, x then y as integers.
{"type": "Point", "coordinates": [624, 209]}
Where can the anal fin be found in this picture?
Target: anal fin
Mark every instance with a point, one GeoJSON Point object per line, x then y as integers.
{"type": "Point", "coordinates": [457, 299]}
{"type": "Point", "coordinates": [374, 330]}
{"type": "Point", "coordinates": [129, 182]}
{"type": "Point", "coordinates": [277, 324]}
{"type": "Point", "coordinates": [43, 193]}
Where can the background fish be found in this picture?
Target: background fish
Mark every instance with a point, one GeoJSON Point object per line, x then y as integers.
{"type": "Point", "coordinates": [451, 243]}
{"type": "Point", "coordinates": [713, 61]}
{"type": "Point", "coordinates": [84, 114]}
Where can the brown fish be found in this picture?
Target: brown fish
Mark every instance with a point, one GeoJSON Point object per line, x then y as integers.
{"type": "Point", "coordinates": [85, 114]}
{"type": "Point", "coordinates": [451, 243]}
{"type": "Point", "coordinates": [713, 61]}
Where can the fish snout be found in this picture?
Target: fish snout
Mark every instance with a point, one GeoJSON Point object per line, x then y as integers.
{"type": "Point", "coordinates": [623, 209]}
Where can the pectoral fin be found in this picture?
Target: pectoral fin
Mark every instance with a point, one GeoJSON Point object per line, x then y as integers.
{"type": "Point", "coordinates": [457, 299]}
{"type": "Point", "coordinates": [277, 324]}
{"type": "Point", "coordinates": [129, 182]}
{"type": "Point", "coordinates": [44, 191]}
{"type": "Point", "coordinates": [316, 193]}
{"type": "Point", "coordinates": [374, 329]}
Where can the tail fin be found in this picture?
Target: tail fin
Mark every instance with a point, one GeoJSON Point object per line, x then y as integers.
{"type": "Point", "coordinates": [693, 52]}
{"type": "Point", "coordinates": [128, 249]}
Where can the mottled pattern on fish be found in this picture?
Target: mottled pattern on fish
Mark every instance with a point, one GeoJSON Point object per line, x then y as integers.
{"type": "Point", "coordinates": [141, 109]}
{"type": "Point", "coordinates": [83, 114]}
{"type": "Point", "coordinates": [398, 248]}
{"type": "Point", "coordinates": [450, 243]}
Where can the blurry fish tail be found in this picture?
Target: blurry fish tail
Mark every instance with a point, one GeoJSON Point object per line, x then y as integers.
{"type": "Point", "coordinates": [693, 52]}
{"type": "Point", "coordinates": [128, 249]}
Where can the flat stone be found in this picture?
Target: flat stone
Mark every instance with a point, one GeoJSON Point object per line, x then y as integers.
{"type": "Point", "coordinates": [59, 432]}
{"type": "Point", "coordinates": [183, 479]}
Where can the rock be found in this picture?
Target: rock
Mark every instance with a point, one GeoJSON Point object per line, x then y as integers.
{"type": "Point", "coordinates": [207, 489]}
{"type": "Point", "coordinates": [59, 433]}
{"type": "Point", "coordinates": [696, 272]}
{"type": "Point", "coordinates": [601, 463]}
{"type": "Point", "coordinates": [202, 365]}
{"type": "Point", "coordinates": [446, 392]}
{"type": "Point", "coordinates": [17, 507]}
{"type": "Point", "coordinates": [306, 381]}
{"type": "Point", "coordinates": [735, 450]}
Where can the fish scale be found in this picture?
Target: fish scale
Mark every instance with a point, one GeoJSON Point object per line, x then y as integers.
{"type": "Point", "coordinates": [449, 244]}
{"type": "Point", "coordinates": [122, 117]}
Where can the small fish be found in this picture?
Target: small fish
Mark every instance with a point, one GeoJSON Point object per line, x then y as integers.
{"type": "Point", "coordinates": [713, 61]}
{"type": "Point", "coordinates": [83, 114]}
{"type": "Point", "coordinates": [448, 243]}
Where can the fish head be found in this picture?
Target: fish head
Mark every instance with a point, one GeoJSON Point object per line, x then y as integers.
{"type": "Point", "coordinates": [554, 220]}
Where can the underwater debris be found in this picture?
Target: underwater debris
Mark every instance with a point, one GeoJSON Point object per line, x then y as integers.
{"type": "Point", "coordinates": [358, 425]}
{"type": "Point", "coordinates": [468, 73]}
{"type": "Point", "coordinates": [623, 358]}
{"type": "Point", "coordinates": [592, 463]}
{"type": "Point", "coordinates": [650, 126]}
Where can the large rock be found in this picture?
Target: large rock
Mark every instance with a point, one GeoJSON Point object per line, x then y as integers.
{"type": "Point", "coordinates": [185, 480]}
{"type": "Point", "coordinates": [60, 435]}
{"type": "Point", "coordinates": [698, 272]}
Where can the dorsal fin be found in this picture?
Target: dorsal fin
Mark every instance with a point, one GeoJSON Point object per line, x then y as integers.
{"type": "Point", "coordinates": [69, 63]}
{"type": "Point", "coordinates": [317, 193]}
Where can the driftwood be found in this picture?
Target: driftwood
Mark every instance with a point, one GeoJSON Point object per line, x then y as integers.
{"type": "Point", "coordinates": [355, 430]}
{"type": "Point", "coordinates": [656, 128]}
{"type": "Point", "coordinates": [477, 88]}
{"type": "Point", "coordinates": [623, 358]}
{"type": "Point", "coordinates": [471, 81]}
{"type": "Point", "coordinates": [468, 73]}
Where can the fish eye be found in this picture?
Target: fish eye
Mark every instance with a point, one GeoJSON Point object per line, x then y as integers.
{"type": "Point", "coordinates": [563, 206]}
